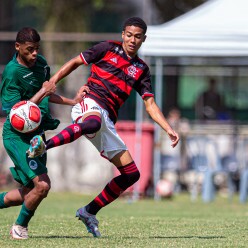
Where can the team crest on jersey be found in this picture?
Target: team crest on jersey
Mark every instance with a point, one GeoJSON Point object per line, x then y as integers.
{"type": "Point", "coordinates": [132, 71]}
{"type": "Point", "coordinates": [33, 164]}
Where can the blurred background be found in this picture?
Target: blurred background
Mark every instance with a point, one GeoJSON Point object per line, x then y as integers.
{"type": "Point", "coordinates": [198, 56]}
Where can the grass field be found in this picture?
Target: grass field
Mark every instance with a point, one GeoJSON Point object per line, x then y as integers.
{"type": "Point", "coordinates": [145, 223]}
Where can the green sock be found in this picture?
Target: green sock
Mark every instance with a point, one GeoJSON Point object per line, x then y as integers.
{"type": "Point", "coordinates": [2, 205]}
{"type": "Point", "coordinates": [24, 216]}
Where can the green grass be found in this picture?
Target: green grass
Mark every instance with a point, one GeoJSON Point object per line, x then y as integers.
{"type": "Point", "coordinates": [145, 223]}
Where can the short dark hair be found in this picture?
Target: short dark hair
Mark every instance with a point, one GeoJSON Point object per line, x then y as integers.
{"type": "Point", "coordinates": [27, 34]}
{"type": "Point", "coordinates": [135, 21]}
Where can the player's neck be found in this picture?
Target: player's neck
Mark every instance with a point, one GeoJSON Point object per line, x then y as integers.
{"type": "Point", "coordinates": [22, 62]}
{"type": "Point", "coordinates": [19, 60]}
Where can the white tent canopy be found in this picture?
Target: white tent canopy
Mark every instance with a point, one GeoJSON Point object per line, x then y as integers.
{"type": "Point", "coordinates": [216, 28]}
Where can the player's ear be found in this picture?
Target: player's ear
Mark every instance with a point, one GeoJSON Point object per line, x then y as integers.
{"type": "Point", "coordinates": [17, 46]}
{"type": "Point", "coordinates": [122, 34]}
{"type": "Point", "coordinates": [144, 38]}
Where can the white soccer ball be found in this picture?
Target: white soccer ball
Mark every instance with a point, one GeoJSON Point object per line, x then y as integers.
{"type": "Point", "coordinates": [25, 116]}
{"type": "Point", "coordinates": [164, 188]}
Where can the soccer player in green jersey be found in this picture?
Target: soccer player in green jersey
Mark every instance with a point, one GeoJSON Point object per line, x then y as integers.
{"type": "Point", "coordinates": [26, 77]}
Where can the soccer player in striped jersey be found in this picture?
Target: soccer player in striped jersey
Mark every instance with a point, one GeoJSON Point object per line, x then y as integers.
{"type": "Point", "coordinates": [116, 70]}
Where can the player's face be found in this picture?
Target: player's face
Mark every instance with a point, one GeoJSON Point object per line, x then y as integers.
{"type": "Point", "coordinates": [132, 40]}
{"type": "Point", "coordinates": [27, 53]}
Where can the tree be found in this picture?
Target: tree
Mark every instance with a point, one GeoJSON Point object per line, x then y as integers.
{"type": "Point", "coordinates": [75, 16]}
{"type": "Point", "coordinates": [61, 16]}
{"type": "Point", "coordinates": [167, 10]}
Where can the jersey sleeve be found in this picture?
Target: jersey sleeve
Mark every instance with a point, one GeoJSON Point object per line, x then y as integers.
{"type": "Point", "coordinates": [10, 92]}
{"type": "Point", "coordinates": [143, 86]}
{"type": "Point", "coordinates": [95, 53]}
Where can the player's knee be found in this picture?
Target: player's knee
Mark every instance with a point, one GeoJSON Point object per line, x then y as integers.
{"type": "Point", "coordinates": [92, 124]}
{"type": "Point", "coordinates": [96, 125]}
{"type": "Point", "coordinates": [43, 188]}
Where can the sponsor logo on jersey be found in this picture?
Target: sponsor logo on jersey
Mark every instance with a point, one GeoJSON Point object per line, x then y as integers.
{"type": "Point", "coordinates": [137, 64]}
{"type": "Point", "coordinates": [27, 75]}
{"type": "Point", "coordinates": [33, 165]}
{"type": "Point", "coordinates": [84, 106]}
{"type": "Point", "coordinates": [94, 108]}
{"type": "Point", "coordinates": [114, 60]}
{"type": "Point", "coordinates": [120, 51]}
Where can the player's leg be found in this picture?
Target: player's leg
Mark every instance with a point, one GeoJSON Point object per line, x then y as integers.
{"type": "Point", "coordinates": [31, 201]}
{"type": "Point", "coordinates": [86, 117]}
{"type": "Point", "coordinates": [122, 159]}
{"type": "Point", "coordinates": [13, 197]}
{"type": "Point", "coordinates": [129, 174]}
{"type": "Point", "coordinates": [90, 124]}
{"type": "Point", "coordinates": [31, 173]}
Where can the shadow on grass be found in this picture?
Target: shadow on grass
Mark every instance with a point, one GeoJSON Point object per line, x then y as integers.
{"type": "Point", "coordinates": [151, 237]}
{"type": "Point", "coordinates": [188, 237]}
{"type": "Point", "coordinates": [63, 237]}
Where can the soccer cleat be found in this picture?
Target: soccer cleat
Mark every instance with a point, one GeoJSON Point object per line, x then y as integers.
{"type": "Point", "coordinates": [37, 147]}
{"type": "Point", "coordinates": [89, 221]}
{"type": "Point", "coordinates": [18, 232]}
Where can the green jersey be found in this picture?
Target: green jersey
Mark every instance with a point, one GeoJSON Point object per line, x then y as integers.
{"type": "Point", "coordinates": [22, 83]}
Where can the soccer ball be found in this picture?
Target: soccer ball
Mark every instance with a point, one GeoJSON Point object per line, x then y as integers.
{"type": "Point", "coordinates": [164, 188]}
{"type": "Point", "coordinates": [25, 116]}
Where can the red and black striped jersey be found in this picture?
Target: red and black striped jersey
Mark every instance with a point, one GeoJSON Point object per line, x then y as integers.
{"type": "Point", "coordinates": [114, 75]}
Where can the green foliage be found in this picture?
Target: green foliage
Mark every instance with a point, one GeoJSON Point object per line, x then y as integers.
{"type": "Point", "coordinates": [98, 4]}
{"type": "Point", "coordinates": [168, 223]}
{"type": "Point", "coordinates": [51, 12]}
{"type": "Point", "coordinates": [55, 16]}
{"type": "Point", "coordinates": [35, 3]}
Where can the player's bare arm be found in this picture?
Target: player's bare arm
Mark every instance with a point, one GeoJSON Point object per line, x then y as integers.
{"type": "Point", "coordinates": [54, 98]}
{"type": "Point", "coordinates": [154, 111]}
{"type": "Point", "coordinates": [66, 69]}
{"type": "Point", "coordinates": [46, 90]}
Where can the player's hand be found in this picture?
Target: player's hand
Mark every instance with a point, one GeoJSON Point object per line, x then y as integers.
{"type": "Point", "coordinates": [83, 90]}
{"type": "Point", "coordinates": [174, 137]}
{"type": "Point", "coordinates": [81, 93]}
{"type": "Point", "coordinates": [48, 87]}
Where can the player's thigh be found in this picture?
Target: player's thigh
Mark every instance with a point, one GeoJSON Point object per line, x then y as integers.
{"type": "Point", "coordinates": [91, 113]}
{"type": "Point", "coordinates": [84, 109]}
{"type": "Point", "coordinates": [43, 178]}
{"type": "Point", "coordinates": [25, 169]}
{"type": "Point", "coordinates": [122, 158]}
